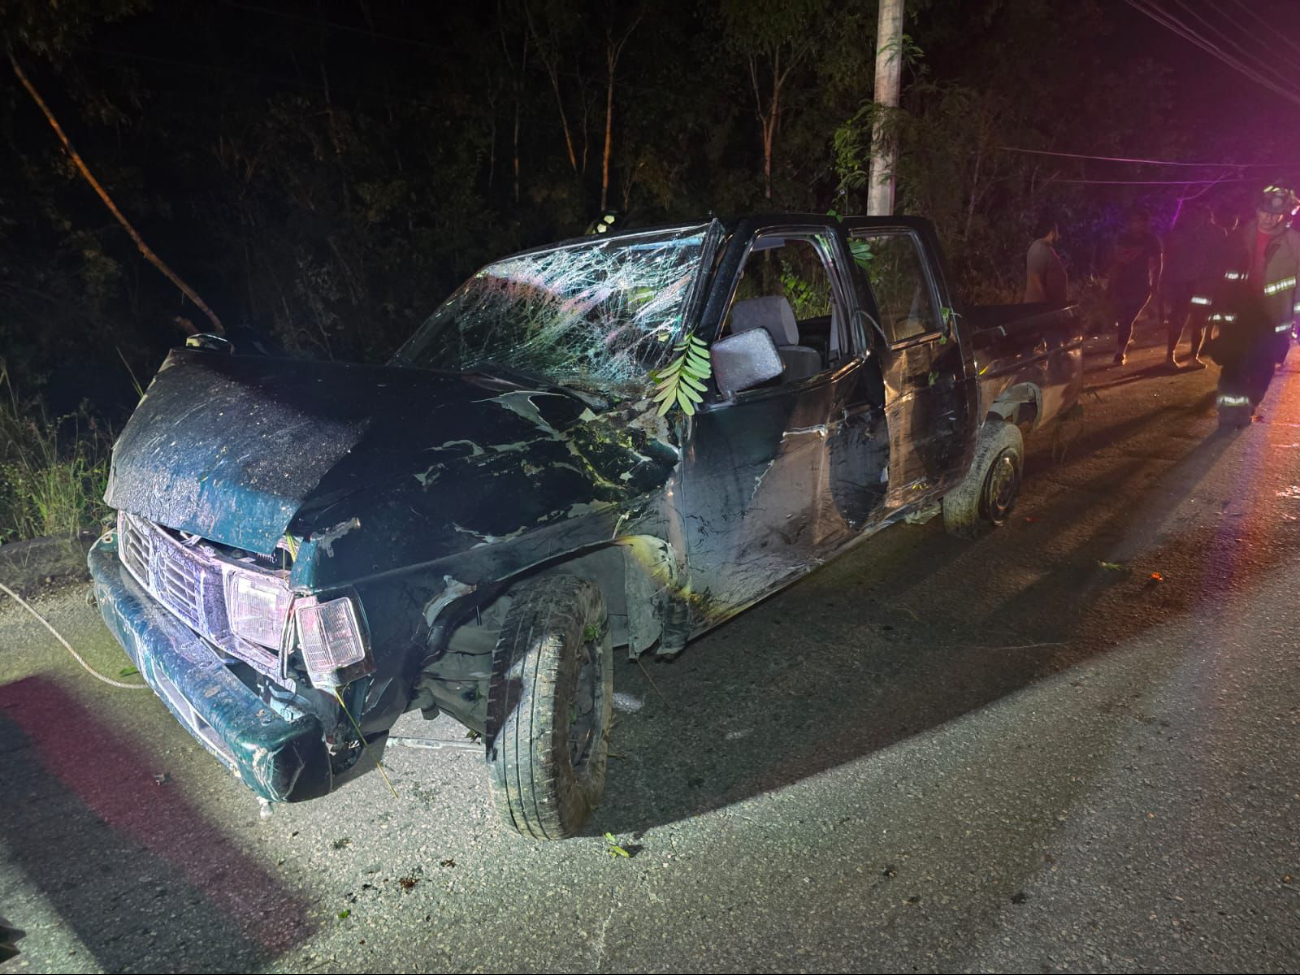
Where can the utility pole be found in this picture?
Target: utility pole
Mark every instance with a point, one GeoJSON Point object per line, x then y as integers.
{"type": "Point", "coordinates": [889, 69]}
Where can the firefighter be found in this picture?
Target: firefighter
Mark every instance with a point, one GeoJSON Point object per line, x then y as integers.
{"type": "Point", "coordinates": [1243, 344]}
{"type": "Point", "coordinates": [1255, 308]}
{"type": "Point", "coordinates": [1266, 255]}
{"type": "Point", "coordinates": [1194, 252]}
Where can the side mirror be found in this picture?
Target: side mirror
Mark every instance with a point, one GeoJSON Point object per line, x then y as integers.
{"type": "Point", "coordinates": [744, 360]}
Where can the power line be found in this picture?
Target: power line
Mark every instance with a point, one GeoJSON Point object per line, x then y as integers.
{"type": "Point", "coordinates": [1168, 20]}
{"type": "Point", "coordinates": [1165, 19]}
{"type": "Point", "coordinates": [1146, 162]}
{"type": "Point", "coordinates": [1267, 26]}
{"type": "Point", "coordinates": [1157, 182]}
{"type": "Point", "coordinates": [1250, 57]}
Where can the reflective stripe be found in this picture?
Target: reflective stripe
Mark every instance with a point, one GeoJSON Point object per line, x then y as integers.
{"type": "Point", "coordinates": [1223, 318]}
{"type": "Point", "coordinates": [1296, 308]}
{"type": "Point", "coordinates": [1234, 276]}
{"type": "Point", "coordinates": [1200, 300]}
{"type": "Point", "coordinates": [1285, 327]}
{"type": "Point", "coordinates": [1277, 286]}
{"type": "Point", "coordinates": [1234, 400]}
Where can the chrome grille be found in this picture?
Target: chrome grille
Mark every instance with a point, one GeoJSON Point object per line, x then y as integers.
{"type": "Point", "coordinates": [135, 547]}
{"type": "Point", "coordinates": [178, 583]}
{"type": "Point", "coordinates": [188, 583]}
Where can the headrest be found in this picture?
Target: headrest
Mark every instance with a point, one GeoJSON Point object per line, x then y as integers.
{"type": "Point", "coordinates": [772, 312]}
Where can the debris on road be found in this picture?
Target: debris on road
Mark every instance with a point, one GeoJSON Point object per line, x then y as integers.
{"type": "Point", "coordinates": [627, 703]}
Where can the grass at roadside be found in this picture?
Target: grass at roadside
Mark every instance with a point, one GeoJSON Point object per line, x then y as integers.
{"type": "Point", "coordinates": [52, 470]}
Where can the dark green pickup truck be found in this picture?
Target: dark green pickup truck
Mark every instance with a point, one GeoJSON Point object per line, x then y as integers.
{"type": "Point", "coordinates": [621, 440]}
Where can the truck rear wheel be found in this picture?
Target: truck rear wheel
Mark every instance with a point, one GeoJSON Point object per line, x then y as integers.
{"type": "Point", "coordinates": [984, 499]}
{"type": "Point", "coordinates": [550, 706]}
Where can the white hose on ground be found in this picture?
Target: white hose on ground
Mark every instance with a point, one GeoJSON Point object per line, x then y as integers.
{"type": "Point", "coordinates": [59, 636]}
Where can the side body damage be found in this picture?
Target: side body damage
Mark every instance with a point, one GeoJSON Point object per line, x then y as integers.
{"type": "Point", "coordinates": [265, 502]}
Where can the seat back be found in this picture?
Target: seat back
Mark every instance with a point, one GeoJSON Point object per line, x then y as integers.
{"type": "Point", "coordinates": [773, 313]}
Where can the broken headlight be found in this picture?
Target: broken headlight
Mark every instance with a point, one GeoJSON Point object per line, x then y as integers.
{"type": "Point", "coordinates": [257, 608]}
{"type": "Point", "coordinates": [332, 640]}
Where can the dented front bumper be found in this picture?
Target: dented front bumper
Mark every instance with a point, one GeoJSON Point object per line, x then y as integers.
{"type": "Point", "coordinates": [279, 759]}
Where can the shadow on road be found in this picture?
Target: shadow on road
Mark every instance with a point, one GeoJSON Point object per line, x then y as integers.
{"type": "Point", "coordinates": [1150, 372]}
{"type": "Point", "coordinates": [873, 657]}
{"type": "Point", "coordinates": [131, 867]}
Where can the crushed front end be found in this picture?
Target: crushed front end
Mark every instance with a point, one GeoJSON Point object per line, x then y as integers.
{"type": "Point", "coordinates": [252, 669]}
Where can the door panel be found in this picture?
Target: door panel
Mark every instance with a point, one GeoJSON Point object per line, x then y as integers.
{"type": "Point", "coordinates": [927, 413]}
{"type": "Point", "coordinates": [774, 484]}
{"type": "Point", "coordinates": [927, 395]}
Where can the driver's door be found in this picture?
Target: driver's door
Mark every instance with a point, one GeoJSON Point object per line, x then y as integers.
{"type": "Point", "coordinates": [779, 478]}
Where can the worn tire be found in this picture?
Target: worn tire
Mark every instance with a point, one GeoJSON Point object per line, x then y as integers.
{"type": "Point", "coordinates": [1234, 417]}
{"type": "Point", "coordinates": [550, 706]}
{"type": "Point", "coordinates": [986, 496]}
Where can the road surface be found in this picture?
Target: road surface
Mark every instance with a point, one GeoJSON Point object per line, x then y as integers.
{"type": "Point", "coordinates": [930, 755]}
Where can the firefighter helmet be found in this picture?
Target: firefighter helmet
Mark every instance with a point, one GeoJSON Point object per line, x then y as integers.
{"type": "Point", "coordinates": [1277, 199]}
{"type": "Point", "coordinates": [605, 222]}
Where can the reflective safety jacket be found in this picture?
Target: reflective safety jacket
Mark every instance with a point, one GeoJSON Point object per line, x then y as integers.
{"type": "Point", "coordinates": [1278, 286]}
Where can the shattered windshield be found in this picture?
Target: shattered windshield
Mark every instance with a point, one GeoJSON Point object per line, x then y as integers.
{"type": "Point", "coordinates": [598, 313]}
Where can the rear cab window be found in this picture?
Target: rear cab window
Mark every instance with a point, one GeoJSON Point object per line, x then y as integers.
{"type": "Point", "coordinates": [902, 298]}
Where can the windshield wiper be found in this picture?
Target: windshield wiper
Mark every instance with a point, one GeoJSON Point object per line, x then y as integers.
{"type": "Point", "coordinates": [524, 377]}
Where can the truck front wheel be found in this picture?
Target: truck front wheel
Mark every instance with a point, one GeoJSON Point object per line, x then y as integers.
{"type": "Point", "coordinates": [986, 496]}
{"type": "Point", "coordinates": [550, 706]}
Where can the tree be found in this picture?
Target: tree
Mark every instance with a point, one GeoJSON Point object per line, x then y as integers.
{"type": "Point", "coordinates": [102, 193]}
{"type": "Point", "coordinates": [561, 32]}
{"type": "Point", "coordinates": [615, 40]}
{"type": "Point", "coordinates": [51, 30]}
{"type": "Point", "coordinates": [772, 39]}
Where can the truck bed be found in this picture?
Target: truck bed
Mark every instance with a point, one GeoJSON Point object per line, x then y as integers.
{"type": "Point", "coordinates": [991, 324]}
{"type": "Point", "coordinates": [1030, 345]}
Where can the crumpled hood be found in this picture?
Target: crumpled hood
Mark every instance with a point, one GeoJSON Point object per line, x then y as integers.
{"type": "Point", "coordinates": [235, 448]}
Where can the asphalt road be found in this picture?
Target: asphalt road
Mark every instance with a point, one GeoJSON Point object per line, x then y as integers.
{"type": "Point", "coordinates": [930, 755]}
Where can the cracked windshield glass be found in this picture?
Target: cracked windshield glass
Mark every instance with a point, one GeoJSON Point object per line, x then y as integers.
{"type": "Point", "coordinates": [599, 313]}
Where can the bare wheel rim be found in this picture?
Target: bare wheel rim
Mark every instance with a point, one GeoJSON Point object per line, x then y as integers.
{"type": "Point", "coordinates": [584, 714]}
{"type": "Point", "coordinates": [1001, 486]}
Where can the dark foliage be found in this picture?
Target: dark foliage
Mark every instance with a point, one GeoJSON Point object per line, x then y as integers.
{"type": "Point", "coordinates": [324, 172]}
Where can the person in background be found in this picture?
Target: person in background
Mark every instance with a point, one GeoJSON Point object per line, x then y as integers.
{"type": "Point", "coordinates": [1274, 251]}
{"type": "Point", "coordinates": [1194, 252]}
{"type": "Point", "coordinates": [1254, 308]}
{"type": "Point", "coordinates": [1045, 278]}
{"type": "Point", "coordinates": [1134, 276]}
{"type": "Point", "coordinates": [1226, 219]}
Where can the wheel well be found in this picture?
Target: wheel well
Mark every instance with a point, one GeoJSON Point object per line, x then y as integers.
{"type": "Point", "coordinates": [634, 575]}
{"type": "Point", "coordinates": [1021, 405]}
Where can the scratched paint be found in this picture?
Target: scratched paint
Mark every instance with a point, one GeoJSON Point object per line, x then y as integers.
{"type": "Point", "coordinates": [516, 432]}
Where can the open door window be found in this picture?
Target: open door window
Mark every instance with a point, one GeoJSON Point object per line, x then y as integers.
{"type": "Point", "coordinates": [788, 287]}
